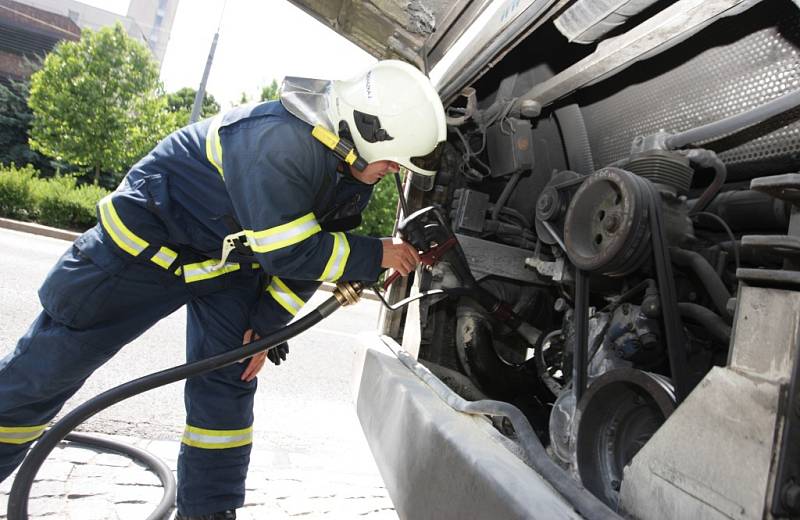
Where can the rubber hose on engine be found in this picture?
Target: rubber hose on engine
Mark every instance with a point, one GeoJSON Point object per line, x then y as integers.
{"type": "Point", "coordinates": [710, 321]}
{"type": "Point", "coordinates": [20, 489]}
{"type": "Point", "coordinates": [475, 342]}
{"type": "Point", "coordinates": [706, 274]}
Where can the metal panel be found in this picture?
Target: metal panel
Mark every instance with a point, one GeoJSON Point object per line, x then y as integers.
{"type": "Point", "coordinates": [737, 64]}
{"type": "Point", "coordinates": [715, 456]}
{"type": "Point", "coordinates": [712, 457]}
{"type": "Point", "coordinates": [763, 345]}
{"type": "Point", "coordinates": [438, 463]}
{"type": "Point", "coordinates": [488, 258]}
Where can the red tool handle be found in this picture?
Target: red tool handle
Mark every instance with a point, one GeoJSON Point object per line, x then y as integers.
{"type": "Point", "coordinates": [428, 258]}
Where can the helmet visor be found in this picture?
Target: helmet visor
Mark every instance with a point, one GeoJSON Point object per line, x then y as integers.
{"type": "Point", "coordinates": [422, 181]}
{"type": "Point", "coordinates": [431, 161]}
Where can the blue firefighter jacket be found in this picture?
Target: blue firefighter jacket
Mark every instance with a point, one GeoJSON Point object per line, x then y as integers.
{"type": "Point", "coordinates": [256, 168]}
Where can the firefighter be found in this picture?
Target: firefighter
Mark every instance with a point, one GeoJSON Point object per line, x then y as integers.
{"type": "Point", "coordinates": [238, 217]}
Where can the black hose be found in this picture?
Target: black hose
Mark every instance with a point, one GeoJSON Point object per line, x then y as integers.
{"type": "Point", "coordinates": [586, 504]}
{"type": "Point", "coordinates": [20, 490]}
{"type": "Point", "coordinates": [710, 321]}
{"type": "Point", "coordinates": [706, 274]}
{"type": "Point", "coordinates": [152, 462]}
{"type": "Point", "coordinates": [735, 123]}
{"type": "Point", "coordinates": [505, 194]}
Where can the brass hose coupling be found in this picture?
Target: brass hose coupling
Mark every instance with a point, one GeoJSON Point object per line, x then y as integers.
{"type": "Point", "coordinates": [348, 293]}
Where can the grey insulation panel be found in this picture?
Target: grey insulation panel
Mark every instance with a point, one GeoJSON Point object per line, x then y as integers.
{"type": "Point", "coordinates": [586, 21]}
{"type": "Point", "coordinates": [734, 65]}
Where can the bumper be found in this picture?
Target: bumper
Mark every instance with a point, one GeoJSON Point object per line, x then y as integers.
{"type": "Point", "coordinates": [438, 463]}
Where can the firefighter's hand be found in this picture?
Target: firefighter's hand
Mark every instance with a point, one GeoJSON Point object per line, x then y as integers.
{"type": "Point", "coordinates": [399, 255]}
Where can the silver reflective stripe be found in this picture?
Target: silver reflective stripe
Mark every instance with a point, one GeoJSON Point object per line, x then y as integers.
{"type": "Point", "coordinates": [164, 257]}
{"type": "Point", "coordinates": [335, 266]}
{"type": "Point", "coordinates": [206, 270]}
{"type": "Point", "coordinates": [120, 234]}
{"type": "Point", "coordinates": [283, 238]}
{"type": "Point", "coordinates": [214, 145]}
{"type": "Point", "coordinates": [284, 296]}
{"type": "Point", "coordinates": [216, 439]}
{"type": "Point", "coordinates": [20, 434]}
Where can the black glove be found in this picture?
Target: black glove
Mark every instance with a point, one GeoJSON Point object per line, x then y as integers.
{"type": "Point", "coordinates": [278, 354]}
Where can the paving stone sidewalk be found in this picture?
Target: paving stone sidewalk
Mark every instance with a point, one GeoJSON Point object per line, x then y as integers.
{"type": "Point", "coordinates": [78, 483]}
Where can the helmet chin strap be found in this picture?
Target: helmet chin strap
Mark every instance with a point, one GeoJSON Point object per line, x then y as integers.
{"type": "Point", "coordinates": [400, 195]}
{"type": "Point", "coordinates": [343, 148]}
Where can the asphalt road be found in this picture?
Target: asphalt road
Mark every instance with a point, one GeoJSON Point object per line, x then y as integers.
{"type": "Point", "coordinates": [303, 406]}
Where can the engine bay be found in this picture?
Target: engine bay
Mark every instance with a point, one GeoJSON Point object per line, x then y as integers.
{"type": "Point", "coordinates": [606, 233]}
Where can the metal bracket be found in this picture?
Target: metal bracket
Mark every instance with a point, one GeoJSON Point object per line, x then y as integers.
{"type": "Point", "coordinates": [785, 187]}
{"type": "Point", "coordinates": [555, 270]}
{"type": "Point", "coordinates": [786, 497]}
{"type": "Point", "coordinates": [229, 244]}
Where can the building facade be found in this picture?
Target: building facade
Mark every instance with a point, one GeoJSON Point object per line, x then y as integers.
{"type": "Point", "coordinates": [27, 34]}
{"type": "Point", "coordinates": [149, 21]}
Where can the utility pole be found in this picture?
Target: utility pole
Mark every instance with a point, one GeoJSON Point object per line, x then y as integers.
{"type": "Point", "coordinates": [201, 90]}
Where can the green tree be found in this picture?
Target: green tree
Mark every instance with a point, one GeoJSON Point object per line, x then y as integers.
{"type": "Point", "coordinates": [15, 120]}
{"type": "Point", "coordinates": [97, 103]}
{"type": "Point", "coordinates": [181, 103]}
{"type": "Point", "coordinates": [270, 92]}
{"type": "Point", "coordinates": [378, 218]}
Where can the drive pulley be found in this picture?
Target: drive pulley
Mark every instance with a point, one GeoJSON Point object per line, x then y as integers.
{"type": "Point", "coordinates": [607, 228]}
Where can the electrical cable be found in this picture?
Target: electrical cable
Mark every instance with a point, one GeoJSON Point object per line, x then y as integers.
{"type": "Point", "coordinates": [728, 230]}
{"type": "Point", "coordinates": [20, 489]}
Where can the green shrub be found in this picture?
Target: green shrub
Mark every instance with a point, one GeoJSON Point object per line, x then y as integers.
{"type": "Point", "coordinates": [16, 194]}
{"type": "Point", "coordinates": [57, 202]}
{"type": "Point", "coordinates": [63, 204]}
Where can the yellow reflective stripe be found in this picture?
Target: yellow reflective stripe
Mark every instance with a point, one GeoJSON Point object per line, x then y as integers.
{"type": "Point", "coordinates": [126, 239]}
{"type": "Point", "coordinates": [20, 434]}
{"type": "Point", "coordinates": [284, 235]}
{"type": "Point", "coordinates": [164, 257]}
{"type": "Point", "coordinates": [202, 270]}
{"type": "Point", "coordinates": [214, 145]}
{"type": "Point", "coordinates": [285, 297]}
{"type": "Point", "coordinates": [339, 255]}
{"type": "Point", "coordinates": [216, 439]}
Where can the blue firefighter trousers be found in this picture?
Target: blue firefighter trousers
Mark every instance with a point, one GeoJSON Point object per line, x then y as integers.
{"type": "Point", "coordinates": [97, 299]}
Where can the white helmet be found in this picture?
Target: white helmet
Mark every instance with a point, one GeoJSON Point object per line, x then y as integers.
{"type": "Point", "coordinates": [392, 113]}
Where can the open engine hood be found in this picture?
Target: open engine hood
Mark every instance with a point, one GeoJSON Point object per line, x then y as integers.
{"type": "Point", "coordinates": [418, 31]}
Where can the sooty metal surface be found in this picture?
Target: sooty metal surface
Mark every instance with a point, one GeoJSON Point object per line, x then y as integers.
{"type": "Point", "coordinates": [734, 65]}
